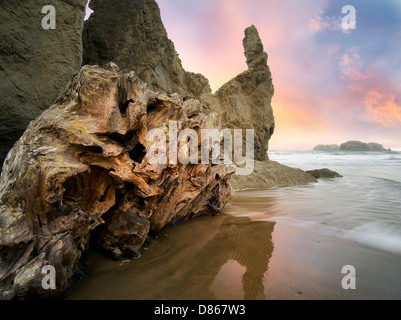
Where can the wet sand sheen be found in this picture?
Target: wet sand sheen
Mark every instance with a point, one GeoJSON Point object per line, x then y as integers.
{"type": "Point", "coordinates": [195, 260]}
{"type": "Point", "coordinates": [228, 257]}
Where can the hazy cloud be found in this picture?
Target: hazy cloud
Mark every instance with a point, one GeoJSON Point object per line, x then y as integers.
{"type": "Point", "coordinates": [382, 109]}
{"type": "Point", "coordinates": [319, 22]}
{"type": "Point", "coordinates": [351, 67]}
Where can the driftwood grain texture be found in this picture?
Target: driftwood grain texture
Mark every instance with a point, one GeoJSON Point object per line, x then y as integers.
{"type": "Point", "coordinates": [80, 171]}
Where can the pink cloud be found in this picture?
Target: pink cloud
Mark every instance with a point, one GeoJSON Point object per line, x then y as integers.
{"type": "Point", "coordinates": [351, 66]}
{"type": "Point", "coordinates": [356, 75]}
{"type": "Point", "coordinates": [319, 23]}
{"type": "Point", "coordinates": [382, 109]}
{"type": "Point", "coordinates": [372, 91]}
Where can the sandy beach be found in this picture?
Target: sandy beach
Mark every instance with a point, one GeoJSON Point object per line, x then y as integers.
{"type": "Point", "coordinates": [228, 257]}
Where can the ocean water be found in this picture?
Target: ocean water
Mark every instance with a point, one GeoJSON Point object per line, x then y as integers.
{"type": "Point", "coordinates": [364, 205]}
{"type": "Point", "coordinates": [279, 243]}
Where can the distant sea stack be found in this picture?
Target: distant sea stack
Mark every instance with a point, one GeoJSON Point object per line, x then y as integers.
{"type": "Point", "coordinates": [377, 147]}
{"type": "Point", "coordinates": [352, 146]}
{"type": "Point", "coordinates": [362, 146]}
{"type": "Point", "coordinates": [327, 147]}
{"type": "Point", "coordinates": [35, 64]}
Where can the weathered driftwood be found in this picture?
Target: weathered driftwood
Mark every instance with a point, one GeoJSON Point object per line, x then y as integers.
{"type": "Point", "coordinates": [81, 166]}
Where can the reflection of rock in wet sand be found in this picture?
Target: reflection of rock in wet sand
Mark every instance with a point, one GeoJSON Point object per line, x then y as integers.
{"type": "Point", "coordinates": [223, 257]}
{"type": "Point", "coordinates": [239, 239]}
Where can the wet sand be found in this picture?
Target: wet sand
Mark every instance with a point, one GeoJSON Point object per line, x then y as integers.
{"type": "Point", "coordinates": [229, 257]}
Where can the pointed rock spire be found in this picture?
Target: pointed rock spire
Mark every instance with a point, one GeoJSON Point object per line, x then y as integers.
{"type": "Point", "coordinates": [253, 48]}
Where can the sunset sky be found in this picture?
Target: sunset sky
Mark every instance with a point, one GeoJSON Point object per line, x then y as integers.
{"type": "Point", "coordinates": [331, 85]}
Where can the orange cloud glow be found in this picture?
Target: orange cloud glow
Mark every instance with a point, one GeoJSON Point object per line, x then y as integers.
{"type": "Point", "coordinates": [382, 109]}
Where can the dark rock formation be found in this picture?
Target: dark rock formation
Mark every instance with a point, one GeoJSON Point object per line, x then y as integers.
{"type": "Point", "coordinates": [82, 166]}
{"type": "Point", "coordinates": [35, 64]}
{"type": "Point", "coordinates": [324, 173]}
{"type": "Point", "coordinates": [377, 147]}
{"type": "Point", "coordinates": [254, 48]}
{"type": "Point", "coordinates": [131, 34]}
{"type": "Point", "coordinates": [352, 146]}
{"type": "Point", "coordinates": [362, 146]}
{"type": "Point", "coordinates": [268, 174]}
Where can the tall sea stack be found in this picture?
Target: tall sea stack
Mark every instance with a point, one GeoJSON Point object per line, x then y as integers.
{"type": "Point", "coordinates": [131, 34]}
{"type": "Point", "coordinates": [245, 101]}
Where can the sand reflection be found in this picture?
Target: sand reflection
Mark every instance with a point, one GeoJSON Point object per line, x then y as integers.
{"type": "Point", "coordinates": [222, 257]}
{"type": "Point", "coordinates": [239, 253]}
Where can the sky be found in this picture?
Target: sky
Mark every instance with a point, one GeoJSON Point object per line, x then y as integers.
{"type": "Point", "coordinates": [331, 85]}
